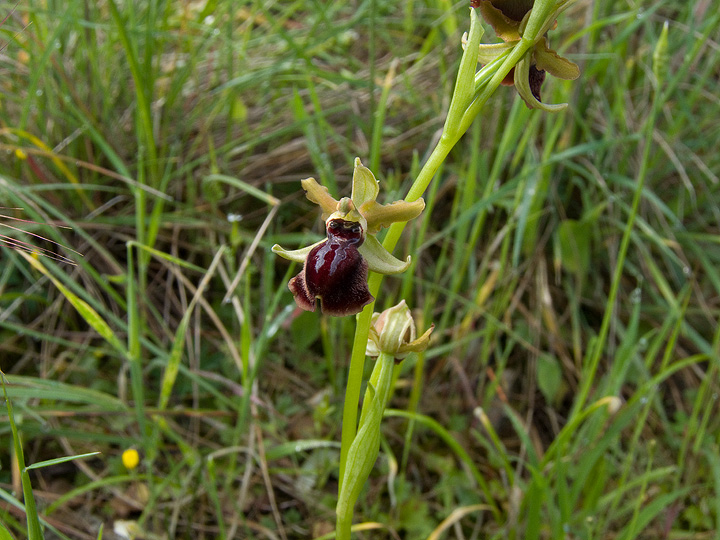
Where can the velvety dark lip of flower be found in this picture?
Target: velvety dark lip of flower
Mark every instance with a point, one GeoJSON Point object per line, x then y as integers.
{"type": "Point", "coordinates": [334, 272]}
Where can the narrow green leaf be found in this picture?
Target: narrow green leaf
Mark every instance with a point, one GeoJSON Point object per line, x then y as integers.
{"type": "Point", "coordinates": [31, 514]}
{"type": "Point", "coordinates": [4, 533]}
{"type": "Point", "coordinates": [56, 461]}
{"type": "Point", "coordinates": [91, 316]}
{"type": "Point", "coordinates": [173, 363]}
{"type": "Point", "coordinates": [244, 186]}
{"type": "Point", "coordinates": [22, 387]}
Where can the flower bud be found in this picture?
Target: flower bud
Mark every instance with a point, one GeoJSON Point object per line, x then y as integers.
{"type": "Point", "coordinates": [393, 332]}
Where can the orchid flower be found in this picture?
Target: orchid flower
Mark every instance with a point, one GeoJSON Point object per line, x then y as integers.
{"type": "Point", "coordinates": [335, 270]}
{"type": "Point", "coordinates": [509, 19]}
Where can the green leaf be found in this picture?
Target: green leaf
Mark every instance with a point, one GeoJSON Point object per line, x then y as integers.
{"type": "Point", "coordinates": [574, 245]}
{"type": "Point", "coordinates": [549, 377]}
{"type": "Point", "coordinates": [31, 514]}
{"type": "Point", "coordinates": [4, 533]}
{"type": "Point", "coordinates": [91, 316]}
{"type": "Point", "coordinates": [244, 186]}
{"type": "Point", "coordinates": [22, 387]}
{"type": "Point", "coordinates": [175, 356]}
{"type": "Point", "coordinates": [56, 461]}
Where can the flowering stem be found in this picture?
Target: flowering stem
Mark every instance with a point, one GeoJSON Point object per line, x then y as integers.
{"type": "Point", "coordinates": [464, 108]}
{"type": "Point", "coordinates": [354, 380]}
{"type": "Point", "coordinates": [472, 91]}
{"type": "Point", "coordinates": [362, 328]}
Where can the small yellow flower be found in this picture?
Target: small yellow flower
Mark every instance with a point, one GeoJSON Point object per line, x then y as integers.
{"type": "Point", "coordinates": [130, 458]}
{"type": "Point", "coordinates": [20, 153]}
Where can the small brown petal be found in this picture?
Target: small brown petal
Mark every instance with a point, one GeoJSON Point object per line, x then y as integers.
{"type": "Point", "coordinates": [505, 26]}
{"type": "Point", "coordinates": [509, 79]}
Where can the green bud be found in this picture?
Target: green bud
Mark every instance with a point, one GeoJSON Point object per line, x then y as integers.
{"type": "Point", "coordinates": [393, 333]}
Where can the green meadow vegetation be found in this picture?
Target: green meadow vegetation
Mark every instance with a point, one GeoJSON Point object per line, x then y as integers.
{"type": "Point", "coordinates": [158, 379]}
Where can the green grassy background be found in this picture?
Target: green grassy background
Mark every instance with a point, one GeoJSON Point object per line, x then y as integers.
{"type": "Point", "coordinates": [170, 137]}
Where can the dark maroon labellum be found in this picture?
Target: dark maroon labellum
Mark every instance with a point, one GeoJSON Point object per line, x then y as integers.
{"type": "Point", "coordinates": [537, 77]}
{"type": "Point", "coordinates": [334, 272]}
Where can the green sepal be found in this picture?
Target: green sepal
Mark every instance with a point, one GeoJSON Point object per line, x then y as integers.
{"type": "Point", "coordinates": [383, 215]}
{"type": "Point", "coordinates": [297, 255]}
{"type": "Point", "coordinates": [379, 259]}
{"type": "Point", "coordinates": [364, 186]}
{"type": "Point", "coordinates": [550, 61]}
{"type": "Point", "coordinates": [522, 83]}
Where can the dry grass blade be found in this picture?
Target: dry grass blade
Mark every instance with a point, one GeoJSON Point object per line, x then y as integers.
{"type": "Point", "coordinates": [27, 247]}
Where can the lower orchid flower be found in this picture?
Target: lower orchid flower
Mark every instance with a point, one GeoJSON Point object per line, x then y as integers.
{"type": "Point", "coordinates": [335, 270]}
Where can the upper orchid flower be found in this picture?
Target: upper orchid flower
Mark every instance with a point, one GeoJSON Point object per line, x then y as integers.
{"type": "Point", "coordinates": [509, 19]}
{"type": "Point", "coordinates": [335, 269]}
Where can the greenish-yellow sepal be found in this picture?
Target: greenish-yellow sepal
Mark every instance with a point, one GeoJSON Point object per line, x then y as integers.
{"type": "Point", "coordinates": [379, 259]}
{"type": "Point", "coordinates": [553, 63]}
{"type": "Point", "coordinates": [522, 83]}
{"type": "Point", "coordinates": [364, 186]}
{"type": "Point", "coordinates": [417, 345]}
{"type": "Point", "coordinates": [297, 255]}
{"type": "Point", "coordinates": [320, 196]}
{"type": "Point", "coordinates": [384, 215]}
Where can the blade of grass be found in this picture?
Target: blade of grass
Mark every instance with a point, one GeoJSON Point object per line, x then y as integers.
{"type": "Point", "coordinates": [31, 512]}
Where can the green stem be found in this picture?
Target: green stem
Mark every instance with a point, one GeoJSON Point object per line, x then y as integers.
{"type": "Point", "coordinates": [365, 447]}
{"type": "Point", "coordinates": [354, 383]}
{"type": "Point", "coordinates": [472, 91]}
{"type": "Point", "coordinates": [460, 116]}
